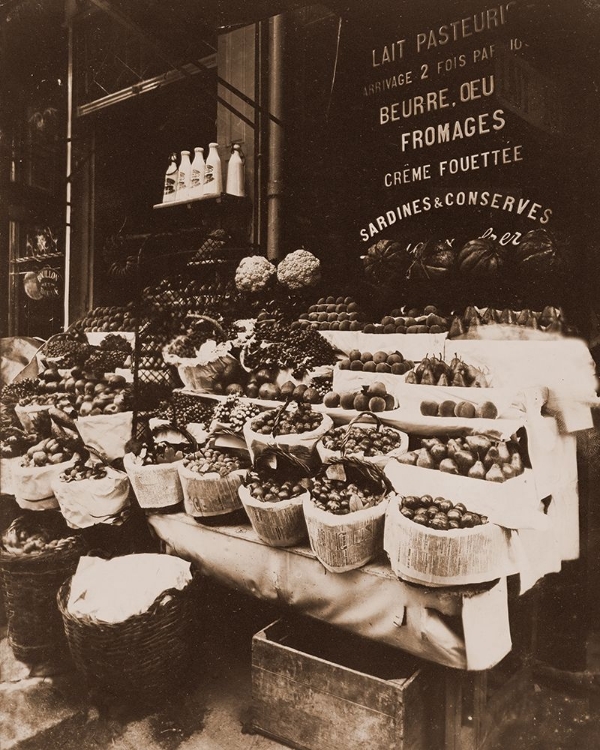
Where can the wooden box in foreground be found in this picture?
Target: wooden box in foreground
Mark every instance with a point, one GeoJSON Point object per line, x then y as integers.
{"type": "Point", "coordinates": [315, 686]}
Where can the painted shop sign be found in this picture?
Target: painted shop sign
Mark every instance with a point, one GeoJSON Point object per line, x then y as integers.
{"type": "Point", "coordinates": [452, 128]}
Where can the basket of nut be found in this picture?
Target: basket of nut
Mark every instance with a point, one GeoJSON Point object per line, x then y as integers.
{"type": "Point", "coordinates": [210, 478]}
{"type": "Point", "coordinates": [294, 427]}
{"type": "Point", "coordinates": [273, 494]}
{"type": "Point", "coordinates": [345, 513]}
{"type": "Point", "coordinates": [153, 469]}
{"type": "Point", "coordinates": [37, 555]}
{"type": "Point", "coordinates": [374, 443]}
{"type": "Point", "coordinates": [91, 492]}
{"type": "Point", "coordinates": [34, 474]}
{"type": "Point", "coordinates": [434, 541]}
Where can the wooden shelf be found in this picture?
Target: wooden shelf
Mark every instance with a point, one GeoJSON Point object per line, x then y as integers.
{"type": "Point", "coordinates": [204, 198]}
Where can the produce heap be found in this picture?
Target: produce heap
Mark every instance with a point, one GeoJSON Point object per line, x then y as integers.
{"type": "Point", "coordinates": [268, 333]}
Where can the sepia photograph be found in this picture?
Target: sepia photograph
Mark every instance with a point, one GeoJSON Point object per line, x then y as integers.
{"type": "Point", "coordinates": [299, 375]}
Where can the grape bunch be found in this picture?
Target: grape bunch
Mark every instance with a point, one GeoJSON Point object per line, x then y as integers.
{"type": "Point", "coordinates": [66, 349]}
{"type": "Point", "coordinates": [291, 421]}
{"type": "Point", "coordinates": [280, 346]}
{"type": "Point", "coordinates": [235, 412]}
{"type": "Point", "coordinates": [105, 360]}
{"type": "Point", "coordinates": [189, 408]}
{"type": "Point", "coordinates": [12, 393]}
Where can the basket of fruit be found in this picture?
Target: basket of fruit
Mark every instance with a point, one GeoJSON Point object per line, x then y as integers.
{"type": "Point", "coordinates": [210, 479]}
{"type": "Point", "coordinates": [373, 443]}
{"type": "Point", "coordinates": [433, 541]}
{"type": "Point", "coordinates": [34, 475]}
{"type": "Point", "coordinates": [13, 445]}
{"type": "Point", "coordinates": [294, 427]}
{"type": "Point", "coordinates": [153, 470]}
{"type": "Point", "coordinates": [345, 513]}
{"type": "Point", "coordinates": [36, 556]}
{"type": "Point", "coordinates": [273, 495]}
{"type": "Point", "coordinates": [104, 418]}
{"type": "Point", "coordinates": [91, 492]}
{"type": "Point", "coordinates": [204, 358]}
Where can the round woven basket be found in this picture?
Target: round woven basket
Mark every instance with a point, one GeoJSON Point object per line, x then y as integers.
{"type": "Point", "coordinates": [29, 586]}
{"type": "Point", "coordinates": [278, 524]}
{"type": "Point", "coordinates": [146, 654]}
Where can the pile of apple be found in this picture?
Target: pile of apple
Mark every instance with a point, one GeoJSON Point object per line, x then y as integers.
{"type": "Point", "coordinates": [439, 513]}
{"type": "Point", "coordinates": [47, 452]}
{"type": "Point", "coordinates": [475, 456]}
{"type": "Point", "coordinates": [96, 393]}
{"type": "Point", "coordinates": [457, 373]}
{"type": "Point", "coordinates": [261, 384]}
{"type": "Point", "coordinates": [372, 397]}
{"type": "Point", "coordinates": [393, 363]}
{"type": "Point", "coordinates": [463, 409]}
{"type": "Point", "coordinates": [411, 320]}
{"type": "Point", "coordinates": [334, 314]}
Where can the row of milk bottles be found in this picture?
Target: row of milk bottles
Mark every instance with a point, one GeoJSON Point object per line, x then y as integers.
{"type": "Point", "coordinates": [202, 178]}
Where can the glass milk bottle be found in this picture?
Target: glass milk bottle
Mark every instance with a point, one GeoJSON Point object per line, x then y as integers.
{"type": "Point", "coordinates": [197, 178]}
{"type": "Point", "coordinates": [213, 177]}
{"type": "Point", "coordinates": [170, 185]}
{"type": "Point", "coordinates": [235, 172]}
{"type": "Point", "coordinates": [184, 176]}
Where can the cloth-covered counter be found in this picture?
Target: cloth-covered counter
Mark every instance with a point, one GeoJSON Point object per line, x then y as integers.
{"type": "Point", "coordinates": [461, 627]}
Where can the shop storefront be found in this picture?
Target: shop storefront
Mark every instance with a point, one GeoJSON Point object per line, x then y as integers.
{"type": "Point", "coordinates": [336, 351]}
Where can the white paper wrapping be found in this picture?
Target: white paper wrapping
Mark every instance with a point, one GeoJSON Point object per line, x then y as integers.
{"type": "Point", "coordinates": [210, 494]}
{"type": "Point", "coordinates": [154, 485]}
{"type": "Point", "coordinates": [513, 504]}
{"type": "Point", "coordinates": [107, 433]}
{"type": "Point", "coordinates": [6, 474]}
{"type": "Point", "coordinates": [33, 485]}
{"type": "Point", "coordinates": [446, 558]}
{"type": "Point", "coordinates": [371, 601]}
{"type": "Point", "coordinates": [345, 542]}
{"type": "Point", "coordinates": [302, 445]}
{"type": "Point", "coordinates": [114, 590]}
{"type": "Point", "coordinates": [88, 502]}
{"type": "Point", "coordinates": [279, 524]}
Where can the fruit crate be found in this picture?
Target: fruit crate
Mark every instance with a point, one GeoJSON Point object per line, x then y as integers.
{"type": "Point", "coordinates": [314, 686]}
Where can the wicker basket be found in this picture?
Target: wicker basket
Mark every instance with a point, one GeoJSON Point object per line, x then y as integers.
{"type": "Point", "coordinates": [156, 486]}
{"type": "Point", "coordinates": [278, 524]}
{"type": "Point", "coordinates": [29, 586]}
{"type": "Point", "coordinates": [146, 654]}
{"type": "Point", "coordinates": [210, 494]}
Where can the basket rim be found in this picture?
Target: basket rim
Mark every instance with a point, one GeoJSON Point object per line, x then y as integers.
{"type": "Point", "coordinates": [76, 547]}
{"type": "Point", "coordinates": [170, 595]}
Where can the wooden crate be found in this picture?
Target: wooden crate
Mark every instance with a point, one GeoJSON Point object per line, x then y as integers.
{"type": "Point", "coordinates": [315, 686]}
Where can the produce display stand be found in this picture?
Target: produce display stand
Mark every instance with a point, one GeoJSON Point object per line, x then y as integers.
{"type": "Point", "coordinates": [465, 627]}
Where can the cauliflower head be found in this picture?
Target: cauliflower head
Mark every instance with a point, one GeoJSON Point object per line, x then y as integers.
{"type": "Point", "coordinates": [299, 269]}
{"type": "Point", "coordinates": [254, 273]}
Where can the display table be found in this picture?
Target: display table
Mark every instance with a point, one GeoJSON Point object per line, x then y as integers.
{"type": "Point", "coordinates": [462, 627]}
